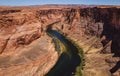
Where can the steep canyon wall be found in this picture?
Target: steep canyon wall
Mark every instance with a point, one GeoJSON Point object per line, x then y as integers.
{"type": "Point", "coordinates": [95, 29]}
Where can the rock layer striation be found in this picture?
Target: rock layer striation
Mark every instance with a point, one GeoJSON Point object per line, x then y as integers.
{"type": "Point", "coordinates": [26, 50]}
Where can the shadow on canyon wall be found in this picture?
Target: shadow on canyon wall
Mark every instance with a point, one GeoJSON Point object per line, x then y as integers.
{"type": "Point", "coordinates": [115, 68]}
{"type": "Point", "coordinates": [110, 18]}
{"type": "Point", "coordinates": [111, 26]}
{"type": "Point", "coordinates": [111, 33]}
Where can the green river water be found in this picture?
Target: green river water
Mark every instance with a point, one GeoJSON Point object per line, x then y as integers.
{"type": "Point", "coordinates": [70, 56]}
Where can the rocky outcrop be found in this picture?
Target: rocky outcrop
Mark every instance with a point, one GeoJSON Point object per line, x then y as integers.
{"type": "Point", "coordinates": [23, 45]}
{"type": "Point", "coordinates": [32, 60]}
{"type": "Point", "coordinates": [24, 51]}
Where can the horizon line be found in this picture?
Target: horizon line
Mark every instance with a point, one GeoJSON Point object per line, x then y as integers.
{"type": "Point", "coordinates": [63, 4]}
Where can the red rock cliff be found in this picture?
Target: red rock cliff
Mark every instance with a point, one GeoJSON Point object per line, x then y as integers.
{"type": "Point", "coordinates": [95, 29]}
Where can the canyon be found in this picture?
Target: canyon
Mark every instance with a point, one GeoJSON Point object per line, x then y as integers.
{"type": "Point", "coordinates": [27, 50]}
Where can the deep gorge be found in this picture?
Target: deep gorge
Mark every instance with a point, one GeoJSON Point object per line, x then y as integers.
{"type": "Point", "coordinates": [26, 48]}
{"type": "Point", "coordinates": [70, 62]}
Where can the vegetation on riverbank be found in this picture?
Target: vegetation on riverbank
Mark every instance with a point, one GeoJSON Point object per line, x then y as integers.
{"type": "Point", "coordinates": [67, 56]}
{"type": "Point", "coordinates": [80, 53]}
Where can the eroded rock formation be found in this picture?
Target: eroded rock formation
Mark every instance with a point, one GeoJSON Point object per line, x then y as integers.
{"type": "Point", "coordinates": [26, 50]}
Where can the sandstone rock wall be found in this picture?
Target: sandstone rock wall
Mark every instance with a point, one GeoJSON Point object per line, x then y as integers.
{"type": "Point", "coordinates": [95, 29]}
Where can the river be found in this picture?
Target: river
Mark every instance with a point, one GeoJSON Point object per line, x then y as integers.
{"type": "Point", "coordinates": [69, 60]}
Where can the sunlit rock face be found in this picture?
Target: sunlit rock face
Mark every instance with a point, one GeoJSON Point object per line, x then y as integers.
{"type": "Point", "coordinates": [26, 50]}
